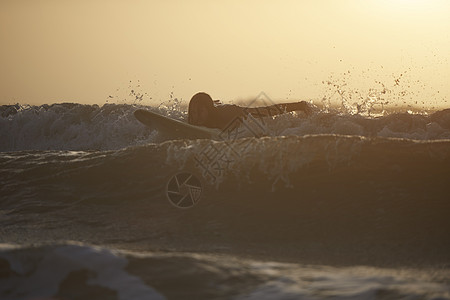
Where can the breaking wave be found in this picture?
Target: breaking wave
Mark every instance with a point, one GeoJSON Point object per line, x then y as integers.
{"type": "Point", "coordinates": [71, 126]}
{"type": "Point", "coordinates": [69, 271]}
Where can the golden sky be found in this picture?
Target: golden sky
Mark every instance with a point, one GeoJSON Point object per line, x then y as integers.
{"type": "Point", "coordinates": [85, 51]}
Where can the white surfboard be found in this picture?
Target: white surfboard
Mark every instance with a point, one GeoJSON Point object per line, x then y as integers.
{"type": "Point", "coordinates": [175, 129]}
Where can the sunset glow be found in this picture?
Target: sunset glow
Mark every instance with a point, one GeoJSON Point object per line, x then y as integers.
{"type": "Point", "coordinates": [88, 51]}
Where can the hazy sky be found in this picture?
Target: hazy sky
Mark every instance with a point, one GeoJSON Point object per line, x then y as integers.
{"type": "Point", "coordinates": [85, 51]}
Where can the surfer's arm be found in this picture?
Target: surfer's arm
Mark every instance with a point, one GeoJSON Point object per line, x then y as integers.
{"type": "Point", "coordinates": [277, 109]}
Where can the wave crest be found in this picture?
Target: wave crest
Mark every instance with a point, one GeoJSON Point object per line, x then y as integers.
{"type": "Point", "coordinates": [72, 126]}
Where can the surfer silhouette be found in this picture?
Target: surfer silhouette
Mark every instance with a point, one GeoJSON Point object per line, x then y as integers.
{"type": "Point", "coordinates": [204, 111]}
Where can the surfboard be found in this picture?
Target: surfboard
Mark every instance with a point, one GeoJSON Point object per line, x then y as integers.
{"type": "Point", "coordinates": [174, 129]}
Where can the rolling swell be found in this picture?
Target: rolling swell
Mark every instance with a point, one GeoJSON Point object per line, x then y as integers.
{"type": "Point", "coordinates": [327, 198]}
{"type": "Point", "coordinates": [330, 189]}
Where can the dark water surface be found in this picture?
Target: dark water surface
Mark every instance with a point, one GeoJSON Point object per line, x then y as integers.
{"type": "Point", "coordinates": [330, 206]}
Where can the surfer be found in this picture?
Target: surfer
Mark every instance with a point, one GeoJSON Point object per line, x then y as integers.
{"type": "Point", "coordinates": [204, 111]}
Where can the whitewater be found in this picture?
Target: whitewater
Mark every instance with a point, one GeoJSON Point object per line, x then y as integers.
{"type": "Point", "coordinates": [71, 126]}
{"type": "Point", "coordinates": [336, 205]}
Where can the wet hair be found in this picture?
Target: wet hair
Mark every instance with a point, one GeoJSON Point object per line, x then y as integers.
{"type": "Point", "coordinates": [200, 99]}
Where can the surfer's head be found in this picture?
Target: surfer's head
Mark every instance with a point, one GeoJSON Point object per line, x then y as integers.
{"type": "Point", "coordinates": [201, 108]}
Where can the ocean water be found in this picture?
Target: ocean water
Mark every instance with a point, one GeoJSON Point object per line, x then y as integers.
{"type": "Point", "coordinates": [336, 205]}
